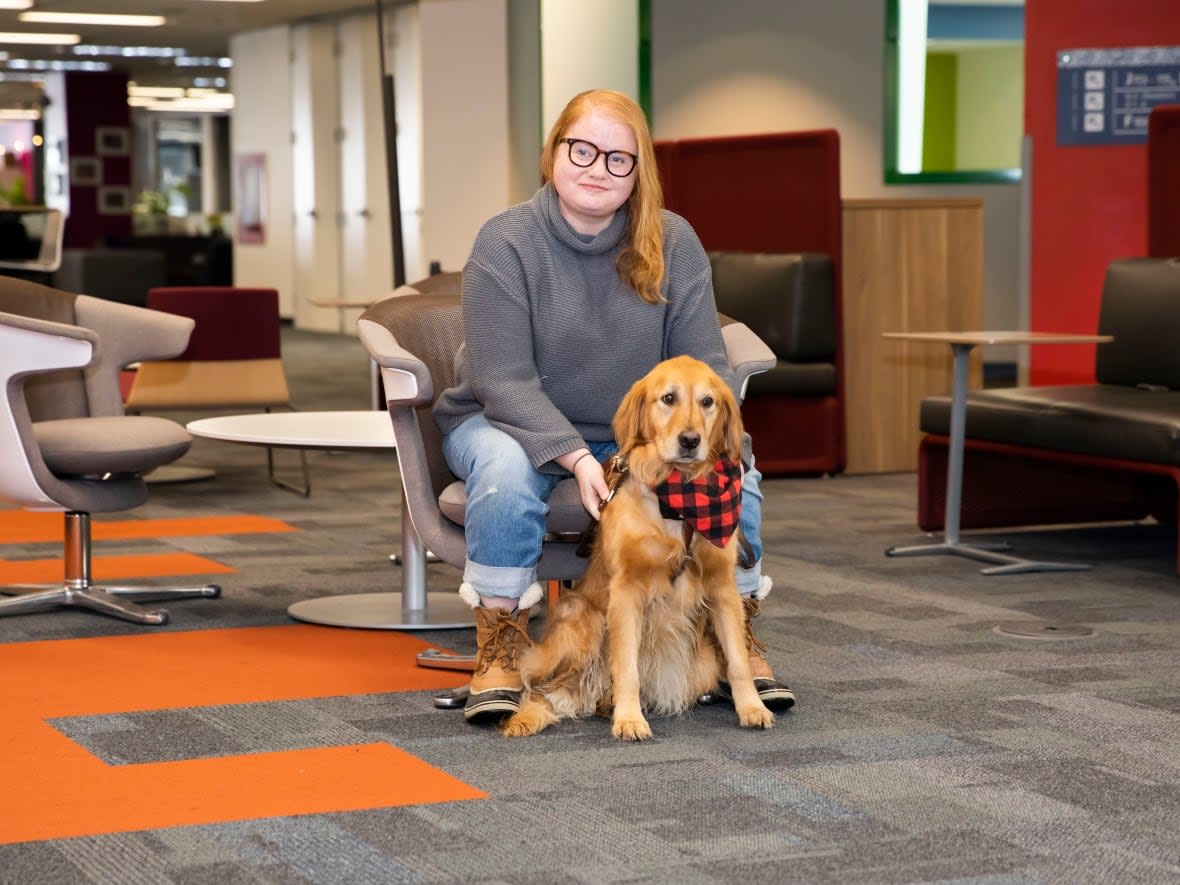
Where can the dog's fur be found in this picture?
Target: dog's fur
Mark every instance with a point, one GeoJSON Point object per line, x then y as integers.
{"type": "Point", "coordinates": [651, 623]}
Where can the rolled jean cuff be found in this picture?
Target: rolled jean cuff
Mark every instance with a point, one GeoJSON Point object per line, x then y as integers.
{"type": "Point", "coordinates": [498, 580]}
{"type": "Point", "coordinates": [750, 581]}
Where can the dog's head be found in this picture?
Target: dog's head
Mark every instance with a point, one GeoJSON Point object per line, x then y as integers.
{"type": "Point", "coordinates": [683, 415]}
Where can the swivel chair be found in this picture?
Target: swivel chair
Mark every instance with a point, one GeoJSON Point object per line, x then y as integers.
{"type": "Point", "coordinates": [413, 339]}
{"type": "Point", "coordinates": [65, 443]}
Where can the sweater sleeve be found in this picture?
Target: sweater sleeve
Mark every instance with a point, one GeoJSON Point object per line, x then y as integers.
{"type": "Point", "coordinates": [501, 359]}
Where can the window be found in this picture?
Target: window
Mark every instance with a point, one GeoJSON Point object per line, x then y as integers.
{"type": "Point", "coordinates": [954, 91]}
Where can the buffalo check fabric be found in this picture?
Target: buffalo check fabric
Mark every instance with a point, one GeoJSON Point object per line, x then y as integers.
{"type": "Point", "coordinates": [711, 504]}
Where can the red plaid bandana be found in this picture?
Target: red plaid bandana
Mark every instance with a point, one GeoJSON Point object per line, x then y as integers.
{"type": "Point", "coordinates": [712, 504]}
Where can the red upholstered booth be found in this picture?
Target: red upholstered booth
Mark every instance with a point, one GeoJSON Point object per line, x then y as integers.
{"type": "Point", "coordinates": [771, 193]}
{"type": "Point", "coordinates": [1163, 182]}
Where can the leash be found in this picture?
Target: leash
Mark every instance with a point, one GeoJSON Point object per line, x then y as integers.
{"type": "Point", "coordinates": [616, 470]}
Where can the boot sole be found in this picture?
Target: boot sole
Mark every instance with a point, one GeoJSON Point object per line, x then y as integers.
{"type": "Point", "coordinates": [776, 697]}
{"type": "Point", "coordinates": [491, 709]}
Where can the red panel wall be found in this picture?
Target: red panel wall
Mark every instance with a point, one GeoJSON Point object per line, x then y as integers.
{"type": "Point", "coordinates": [96, 99]}
{"type": "Point", "coordinates": [1089, 204]}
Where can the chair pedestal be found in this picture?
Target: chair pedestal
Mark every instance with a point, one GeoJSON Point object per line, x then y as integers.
{"type": "Point", "coordinates": [78, 590]}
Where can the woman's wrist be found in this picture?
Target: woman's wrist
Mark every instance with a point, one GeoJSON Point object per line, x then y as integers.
{"type": "Point", "coordinates": [586, 454]}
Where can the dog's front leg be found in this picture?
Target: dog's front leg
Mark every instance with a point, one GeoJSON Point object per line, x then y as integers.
{"type": "Point", "coordinates": [728, 624]}
{"type": "Point", "coordinates": [623, 618]}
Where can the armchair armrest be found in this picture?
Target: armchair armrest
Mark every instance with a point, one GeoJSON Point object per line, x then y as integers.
{"type": "Point", "coordinates": [128, 334]}
{"type": "Point", "coordinates": [30, 346]}
{"type": "Point", "coordinates": [33, 345]}
{"type": "Point", "coordinates": [406, 378]}
{"type": "Point", "coordinates": [747, 353]}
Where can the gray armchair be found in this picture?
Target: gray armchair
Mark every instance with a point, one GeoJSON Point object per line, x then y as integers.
{"type": "Point", "coordinates": [413, 339]}
{"type": "Point", "coordinates": [65, 443]}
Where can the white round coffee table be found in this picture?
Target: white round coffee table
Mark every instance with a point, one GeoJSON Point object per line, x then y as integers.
{"type": "Point", "coordinates": [410, 609]}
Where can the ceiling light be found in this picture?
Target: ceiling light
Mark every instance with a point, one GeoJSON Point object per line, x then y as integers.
{"type": "Point", "coordinates": [15, 4]}
{"type": "Point", "coordinates": [222, 101]}
{"type": "Point", "coordinates": [155, 91]}
{"type": "Point", "coordinates": [203, 61]}
{"type": "Point", "coordinates": [55, 39]}
{"type": "Point", "coordinates": [92, 18]}
{"type": "Point", "coordinates": [46, 64]}
{"type": "Point", "coordinates": [129, 51]}
{"type": "Point", "coordinates": [19, 114]}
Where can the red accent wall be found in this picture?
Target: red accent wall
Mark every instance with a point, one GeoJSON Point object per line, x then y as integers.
{"type": "Point", "coordinates": [1089, 204]}
{"type": "Point", "coordinates": [96, 99]}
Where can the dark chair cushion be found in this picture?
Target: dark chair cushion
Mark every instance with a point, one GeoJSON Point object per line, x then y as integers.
{"type": "Point", "coordinates": [1106, 420]}
{"type": "Point", "coordinates": [786, 299]}
{"type": "Point", "coordinates": [795, 379]}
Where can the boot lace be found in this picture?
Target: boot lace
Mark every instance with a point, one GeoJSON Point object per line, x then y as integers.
{"type": "Point", "coordinates": [754, 645]}
{"type": "Point", "coordinates": [503, 645]}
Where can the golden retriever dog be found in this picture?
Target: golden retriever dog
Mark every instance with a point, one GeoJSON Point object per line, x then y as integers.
{"type": "Point", "coordinates": [656, 621]}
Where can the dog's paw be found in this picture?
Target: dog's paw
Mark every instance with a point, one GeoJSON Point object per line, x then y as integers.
{"type": "Point", "coordinates": [631, 729]}
{"type": "Point", "coordinates": [524, 723]}
{"type": "Point", "coordinates": [756, 717]}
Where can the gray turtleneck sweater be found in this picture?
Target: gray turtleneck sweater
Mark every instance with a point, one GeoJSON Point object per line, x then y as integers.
{"type": "Point", "coordinates": [555, 338]}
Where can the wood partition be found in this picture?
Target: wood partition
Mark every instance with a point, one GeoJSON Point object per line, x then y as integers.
{"type": "Point", "coordinates": [909, 266]}
{"type": "Point", "coordinates": [776, 192]}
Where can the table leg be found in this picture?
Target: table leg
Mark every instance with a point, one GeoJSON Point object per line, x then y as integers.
{"type": "Point", "coordinates": [410, 609]}
{"type": "Point", "coordinates": [1004, 564]}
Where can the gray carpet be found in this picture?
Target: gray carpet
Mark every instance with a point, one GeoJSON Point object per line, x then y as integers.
{"type": "Point", "coordinates": [927, 746]}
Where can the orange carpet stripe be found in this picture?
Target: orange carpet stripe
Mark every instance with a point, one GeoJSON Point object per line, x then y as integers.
{"type": "Point", "coordinates": [29, 527]}
{"type": "Point", "coordinates": [55, 789]}
{"type": "Point", "coordinates": [106, 568]}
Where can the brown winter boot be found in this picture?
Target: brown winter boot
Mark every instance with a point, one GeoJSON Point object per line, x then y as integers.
{"type": "Point", "coordinates": [500, 636]}
{"type": "Point", "coordinates": [774, 694]}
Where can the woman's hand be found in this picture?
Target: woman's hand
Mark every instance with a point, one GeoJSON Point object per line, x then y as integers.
{"type": "Point", "coordinates": [588, 472]}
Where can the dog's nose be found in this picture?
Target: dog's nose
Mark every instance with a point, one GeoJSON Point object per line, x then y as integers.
{"type": "Point", "coordinates": [688, 440]}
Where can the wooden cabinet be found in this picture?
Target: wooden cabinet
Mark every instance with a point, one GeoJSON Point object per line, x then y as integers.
{"type": "Point", "coordinates": [912, 266]}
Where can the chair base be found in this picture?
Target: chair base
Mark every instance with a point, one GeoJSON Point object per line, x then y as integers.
{"type": "Point", "coordinates": [118, 602]}
{"type": "Point", "coordinates": [171, 473]}
{"type": "Point", "coordinates": [434, 659]}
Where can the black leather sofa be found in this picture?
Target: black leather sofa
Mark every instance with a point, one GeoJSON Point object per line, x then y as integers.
{"type": "Point", "coordinates": [1077, 453]}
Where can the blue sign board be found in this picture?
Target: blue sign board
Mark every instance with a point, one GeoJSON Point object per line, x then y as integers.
{"type": "Point", "coordinates": [1104, 96]}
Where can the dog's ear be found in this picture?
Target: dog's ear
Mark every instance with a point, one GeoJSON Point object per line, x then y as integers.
{"type": "Point", "coordinates": [730, 424]}
{"type": "Point", "coordinates": [628, 425]}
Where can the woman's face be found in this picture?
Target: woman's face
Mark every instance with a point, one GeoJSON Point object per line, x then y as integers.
{"type": "Point", "coordinates": [589, 195]}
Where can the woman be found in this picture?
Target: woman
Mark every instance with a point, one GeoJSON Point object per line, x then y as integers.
{"type": "Point", "coordinates": [568, 299]}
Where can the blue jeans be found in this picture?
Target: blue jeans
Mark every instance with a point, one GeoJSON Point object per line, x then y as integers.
{"type": "Point", "coordinates": [506, 509]}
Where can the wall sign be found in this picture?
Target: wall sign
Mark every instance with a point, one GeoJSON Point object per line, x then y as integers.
{"type": "Point", "coordinates": [1104, 96]}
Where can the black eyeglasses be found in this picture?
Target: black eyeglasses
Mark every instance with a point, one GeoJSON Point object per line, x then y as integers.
{"type": "Point", "coordinates": [620, 164]}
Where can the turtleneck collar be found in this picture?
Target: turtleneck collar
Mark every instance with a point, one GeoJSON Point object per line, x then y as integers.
{"type": "Point", "coordinates": [547, 205]}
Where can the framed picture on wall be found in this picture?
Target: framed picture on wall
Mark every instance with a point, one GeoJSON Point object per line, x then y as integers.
{"type": "Point", "coordinates": [85, 172]}
{"type": "Point", "coordinates": [112, 141]}
{"type": "Point", "coordinates": [251, 198]}
{"type": "Point", "coordinates": [114, 200]}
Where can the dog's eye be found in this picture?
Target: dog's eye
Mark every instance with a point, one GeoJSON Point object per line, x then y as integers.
{"type": "Point", "coordinates": [707, 402]}
{"type": "Point", "coordinates": [668, 399]}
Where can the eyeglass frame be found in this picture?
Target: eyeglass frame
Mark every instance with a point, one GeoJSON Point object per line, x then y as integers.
{"type": "Point", "coordinates": [599, 152]}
